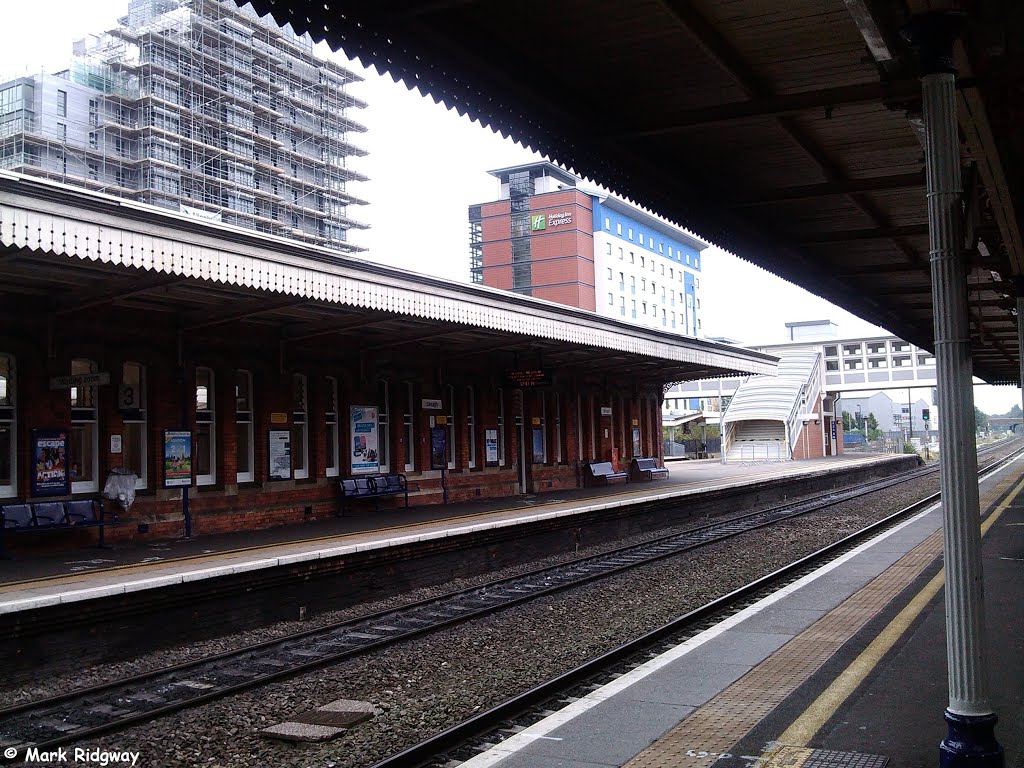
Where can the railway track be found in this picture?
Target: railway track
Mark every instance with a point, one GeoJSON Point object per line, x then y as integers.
{"type": "Point", "coordinates": [464, 740]}
{"type": "Point", "coordinates": [87, 713]}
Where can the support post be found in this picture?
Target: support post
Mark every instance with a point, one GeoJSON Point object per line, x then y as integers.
{"type": "Point", "coordinates": [970, 740]}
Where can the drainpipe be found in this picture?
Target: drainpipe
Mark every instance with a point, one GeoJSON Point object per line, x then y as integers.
{"type": "Point", "coordinates": [970, 740]}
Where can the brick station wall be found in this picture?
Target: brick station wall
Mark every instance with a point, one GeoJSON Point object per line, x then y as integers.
{"type": "Point", "coordinates": [112, 336]}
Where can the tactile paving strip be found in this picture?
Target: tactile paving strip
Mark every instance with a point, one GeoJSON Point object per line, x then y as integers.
{"type": "Point", "coordinates": [710, 732]}
{"type": "Point", "coordinates": [801, 757]}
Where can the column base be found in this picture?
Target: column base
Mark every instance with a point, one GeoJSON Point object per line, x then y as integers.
{"type": "Point", "coordinates": [970, 742]}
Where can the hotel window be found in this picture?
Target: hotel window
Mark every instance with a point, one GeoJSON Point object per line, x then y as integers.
{"type": "Point", "coordinates": [696, 282]}
{"type": "Point", "coordinates": [650, 242]}
{"type": "Point", "coordinates": [205, 458]}
{"type": "Point", "coordinates": [618, 229]}
{"type": "Point", "coordinates": [501, 427]}
{"type": "Point", "coordinates": [622, 281]}
{"type": "Point", "coordinates": [611, 298]}
{"type": "Point", "coordinates": [634, 308]}
{"type": "Point", "coordinates": [407, 422]}
{"type": "Point", "coordinates": [630, 233]}
{"type": "Point", "coordinates": [607, 223]}
{"type": "Point", "coordinates": [696, 262]}
{"type": "Point", "coordinates": [450, 419]}
{"type": "Point", "coordinates": [663, 269]}
{"type": "Point", "coordinates": [632, 258]}
{"type": "Point", "coordinates": [132, 403]}
{"type": "Point", "coordinates": [664, 318]}
{"type": "Point", "coordinates": [84, 439]}
{"type": "Point", "coordinates": [609, 249]}
{"type": "Point", "coordinates": [331, 423]}
{"type": "Point", "coordinates": [620, 255]}
{"type": "Point", "coordinates": [244, 443]}
{"type": "Point", "coordinates": [622, 306]}
{"type": "Point", "coordinates": [383, 426]}
{"type": "Point", "coordinates": [643, 284]}
{"type": "Point", "coordinates": [671, 274]}
{"type": "Point", "coordinates": [300, 429]}
{"type": "Point", "coordinates": [642, 260]}
{"type": "Point", "coordinates": [8, 429]}
{"type": "Point", "coordinates": [673, 319]}
{"type": "Point", "coordinates": [645, 308]}
{"type": "Point", "coordinates": [632, 284]}
{"type": "Point", "coordinates": [470, 420]}
{"type": "Point", "coordinates": [609, 273]}
{"type": "Point", "coordinates": [661, 249]}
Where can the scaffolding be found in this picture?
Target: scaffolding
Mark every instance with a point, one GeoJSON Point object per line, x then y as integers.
{"type": "Point", "coordinates": [201, 107]}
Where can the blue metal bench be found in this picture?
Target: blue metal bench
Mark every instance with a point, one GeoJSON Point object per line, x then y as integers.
{"type": "Point", "coordinates": [372, 488]}
{"type": "Point", "coordinates": [646, 469]}
{"type": "Point", "coordinates": [39, 516]}
{"type": "Point", "coordinates": [604, 472]}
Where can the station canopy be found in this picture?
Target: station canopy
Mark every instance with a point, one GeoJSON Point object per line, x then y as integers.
{"type": "Point", "coordinates": [786, 131]}
{"type": "Point", "coordinates": [66, 252]}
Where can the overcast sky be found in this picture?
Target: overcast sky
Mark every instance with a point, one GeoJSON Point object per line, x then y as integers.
{"type": "Point", "coordinates": [427, 165]}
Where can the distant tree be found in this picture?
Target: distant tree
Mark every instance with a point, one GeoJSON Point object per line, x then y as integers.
{"type": "Point", "coordinates": [1015, 412]}
{"type": "Point", "coordinates": [871, 427]}
{"type": "Point", "coordinates": [848, 425]}
{"type": "Point", "coordinates": [980, 420]}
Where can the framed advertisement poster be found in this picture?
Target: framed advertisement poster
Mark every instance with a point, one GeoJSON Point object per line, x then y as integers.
{"type": "Point", "coordinates": [538, 445]}
{"type": "Point", "coordinates": [636, 441]}
{"type": "Point", "coordinates": [50, 475]}
{"type": "Point", "coordinates": [279, 454]}
{"type": "Point", "coordinates": [177, 459]}
{"type": "Point", "coordinates": [490, 447]}
{"type": "Point", "coordinates": [438, 448]}
{"type": "Point", "coordinates": [364, 454]}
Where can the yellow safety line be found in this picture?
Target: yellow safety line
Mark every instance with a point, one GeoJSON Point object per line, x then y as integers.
{"type": "Point", "coordinates": [813, 719]}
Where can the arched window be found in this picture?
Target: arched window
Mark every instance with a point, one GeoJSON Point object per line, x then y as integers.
{"type": "Point", "coordinates": [410, 434]}
{"type": "Point", "coordinates": [205, 451]}
{"type": "Point", "coordinates": [383, 427]}
{"type": "Point", "coordinates": [450, 423]}
{"type": "Point", "coordinates": [470, 420]}
{"type": "Point", "coordinates": [131, 400]}
{"type": "Point", "coordinates": [84, 439]}
{"type": "Point", "coordinates": [8, 429]}
{"type": "Point", "coordinates": [331, 424]}
{"type": "Point", "coordinates": [300, 431]}
{"type": "Point", "coordinates": [244, 442]}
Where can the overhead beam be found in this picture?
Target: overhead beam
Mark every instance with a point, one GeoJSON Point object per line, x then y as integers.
{"type": "Point", "coordinates": [880, 233]}
{"type": "Point", "coordinates": [777, 105]}
{"type": "Point", "coordinates": [234, 317]}
{"type": "Point", "coordinates": [100, 298]}
{"type": "Point", "coordinates": [884, 269]}
{"type": "Point", "coordinates": [838, 187]}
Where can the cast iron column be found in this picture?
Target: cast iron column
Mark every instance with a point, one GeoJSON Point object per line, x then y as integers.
{"type": "Point", "coordinates": [970, 740]}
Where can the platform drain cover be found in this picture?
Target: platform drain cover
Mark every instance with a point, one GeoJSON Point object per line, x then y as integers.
{"type": "Point", "coordinates": [801, 757]}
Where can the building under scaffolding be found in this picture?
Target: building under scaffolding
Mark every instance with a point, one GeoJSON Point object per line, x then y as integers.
{"type": "Point", "coordinates": [201, 107]}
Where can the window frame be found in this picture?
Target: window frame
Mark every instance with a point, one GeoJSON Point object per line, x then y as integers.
{"type": "Point", "coordinates": [93, 485]}
{"type": "Point", "coordinates": [300, 425]}
{"type": "Point", "coordinates": [142, 417]}
{"type": "Point", "coordinates": [409, 423]}
{"type": "Point", "coordinates": [331, 428]}
{"type": "Point", "coordinates": [209, 415]}
{"type": "Point", "coordinates": [245, 417]}
{"type": "Point", "coordinates": [9, 417]}
{"type": "Point", "coordinates": [470, 426]}
{"type": "Point", "coordinates": [383, 426]}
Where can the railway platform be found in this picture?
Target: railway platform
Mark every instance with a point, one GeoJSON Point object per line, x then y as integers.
{"type": "Point", "coordinates": [844, 667]}
{"type": "Point", "coordinates": [35, 581]}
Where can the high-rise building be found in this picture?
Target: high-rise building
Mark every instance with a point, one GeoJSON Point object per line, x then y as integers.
{"type": "Point", "coordinates": [547, 236]}
{"type": "Point", "coordinates": [201, 107]}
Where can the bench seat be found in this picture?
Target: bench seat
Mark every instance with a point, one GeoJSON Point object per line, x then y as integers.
{"type": "Point", "coordinates": [603, 472]}
{"type": "Point", "coordinates": [22, 517]}
{"type": "Point", "coordinates": [372, 487]}
{"type": "Point", "coordinates": [645, 469]}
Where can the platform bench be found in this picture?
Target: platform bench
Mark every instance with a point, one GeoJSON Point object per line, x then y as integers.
{"type": "Point", "coordinates": [38, 516]}
{"type": "Point", "coordinates": [646, 469]}
{"type": "Point", "coordinates": [602, 471]}
{"type": "Point", "coordinates": [372, 488]}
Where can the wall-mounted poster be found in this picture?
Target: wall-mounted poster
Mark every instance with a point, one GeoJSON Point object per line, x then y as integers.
{"type": "Point", "coordinates": [438, 447]}
{"type": "Point", "coordinates": [636, 441]}
{"type": "Point", "coordinates": [538, 445]}
{"type": "Point", "coordinates": [491, 447]}
{"type": "Point", "coordinates": [50, 462]}
{"type": "Point", "coordinates": [363, 421]}
{"type": "Point", "coordinates": [279, 454]}
{"type": "Point", "coordinates": [177, 458]}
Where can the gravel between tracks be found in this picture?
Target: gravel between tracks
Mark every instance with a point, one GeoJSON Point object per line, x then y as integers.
{"type": "Point", "coordinates": [424, 685]}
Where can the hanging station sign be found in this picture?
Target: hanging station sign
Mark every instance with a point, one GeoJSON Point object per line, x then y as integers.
{"type": "Point", "coordinates": [530, 378]}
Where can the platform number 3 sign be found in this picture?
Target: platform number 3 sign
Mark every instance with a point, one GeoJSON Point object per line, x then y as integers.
{"type": "Point", "coordinates": [127, 399]}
